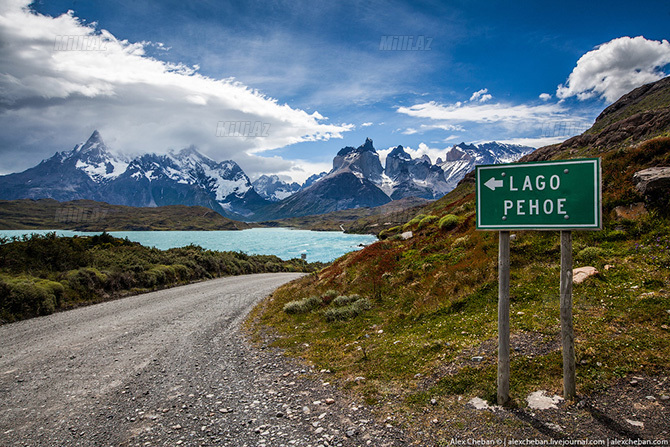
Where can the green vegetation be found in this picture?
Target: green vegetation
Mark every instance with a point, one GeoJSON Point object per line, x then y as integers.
{"type": "Point", "coordinates": [433, 301]}
{"type": "Point", "coordinates": [448, 222]}
{"type": "Point", "coordinates": [43, 274]}
{"type": "Point", "coordinates": [88, 215]}
{"type": "Point", "coordinates": [342, 308]}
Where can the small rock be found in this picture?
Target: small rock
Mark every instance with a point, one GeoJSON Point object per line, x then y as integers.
{"type": "Point", "coordinates": [521, 313]}
{"type": "Point", "coordinates": [664, 398]}
{"type": "Point", "coordinates": [176, 427]}
{"type": "Point", "coordinates": [433, 401]}
{"type": "Point", "coordinates": [539, 400]}
{"type": "Point", "coordinates": [633, 382]}
{"type": "Point", "coordinates": [477, 358]}
{"type": "Point", "coordinates": [330, 401]}
{"type": "Point", "coordinates": [319, 430]}
{"type": "Point", "coordinates": [650, 398]}
{"type": "Point", "coordinates": [637, 424]}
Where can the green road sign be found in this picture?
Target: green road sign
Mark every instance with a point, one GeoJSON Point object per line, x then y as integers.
{"type": "Point", "coordinates": [552, 195]}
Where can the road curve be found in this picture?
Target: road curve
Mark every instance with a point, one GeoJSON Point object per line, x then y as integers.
{"type": "Point", "coordinates": [56, 371]}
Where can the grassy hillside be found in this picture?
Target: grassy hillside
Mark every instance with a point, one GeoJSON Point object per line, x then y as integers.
{"type": "Point", "coordinates": [43, 274]}
{"type": "Point", "coordinates": [87, 215]}
{"type": "Point", "coordinates": [420, 332]}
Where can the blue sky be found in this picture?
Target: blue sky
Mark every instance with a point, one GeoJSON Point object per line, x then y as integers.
{"type": "Point", "coordinates": [527, 71]}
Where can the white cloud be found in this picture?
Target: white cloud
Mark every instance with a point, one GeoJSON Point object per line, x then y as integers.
{"type": "Point", "coordinates": [545, 96]}
{"type": "Point", "coordinates": [366, 124]}
{"type": "Point", "coordinates": [615, 68]}
{"type": "Point", "coordinates": [419, 152]}
{"type": "Point", "coordinates": [481, 95]}
{"type": "Point", "coordinates": [483, 113]}
{"type": "Point", "coordinates": [139, 104]}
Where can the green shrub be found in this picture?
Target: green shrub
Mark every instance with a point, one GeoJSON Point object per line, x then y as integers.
{"type": "Point", "coordinates": [417, 219]}
{"type": "Point", "coordinates": [448, 222]}
{"type": "Point", "coordinates": [24, 298]}
{"type": "Point", "coordinates": [590, 254]}
{"type": "Point", "coordinates": [344, 300]}
{"type": "Point", "coordinates": [427, 221]}
{"type": "Point", "coordinates": [303, 306]}
{"type": "Point", "coordinates": [347, 312]}
{"type": "Point", "coordinates": [384, 234]}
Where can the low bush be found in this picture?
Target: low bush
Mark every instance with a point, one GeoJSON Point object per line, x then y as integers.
{"type": "Point", "coordinates": [448, 222]}
{"type": "Point", "coordinates": [303, 306]}
{"type": "Point", "coordinates": [590, 255]}
{"type": "Point", "coordinates": [347, 312]}
{"type": "Point", "coordinates": [344, 300]}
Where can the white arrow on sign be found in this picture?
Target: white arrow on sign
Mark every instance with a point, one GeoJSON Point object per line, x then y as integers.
{"type": "Point", "coordinates": [492, 183]}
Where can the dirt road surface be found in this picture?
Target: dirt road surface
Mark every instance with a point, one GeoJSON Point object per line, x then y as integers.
{"type": "Point", "coordinates": [168, 368]}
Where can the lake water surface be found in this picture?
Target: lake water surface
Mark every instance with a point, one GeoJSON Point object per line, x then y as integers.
{"type": "Point", "coordinates": [324, 246]}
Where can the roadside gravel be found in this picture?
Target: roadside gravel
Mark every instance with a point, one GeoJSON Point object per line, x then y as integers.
{"type": "Point", "coordinates": [169, 368]}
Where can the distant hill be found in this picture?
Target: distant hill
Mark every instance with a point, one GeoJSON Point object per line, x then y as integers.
{"type": "Point", "coordinates": [88, 215]}
{"type": "Point", "coordinates": [424, 338]}
{"type": "Point", "coordinates": [356, 220]}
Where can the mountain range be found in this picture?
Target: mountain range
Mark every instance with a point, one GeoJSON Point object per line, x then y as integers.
{"type": "Point", "coordinates": [91, 171]}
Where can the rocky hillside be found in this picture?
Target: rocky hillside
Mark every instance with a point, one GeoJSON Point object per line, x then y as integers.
{"type": "Point", "coordinates": [415, 333]}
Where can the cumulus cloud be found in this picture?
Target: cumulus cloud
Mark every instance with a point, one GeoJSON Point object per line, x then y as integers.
{"type": "Point", "coordinates": [545, 96]}
{"type": "Point", "coordinates": [481, 95]}
{"type": "Point", "coordinates": [366, 124]}
{"type": "Point", "coordinates": [57, 95]}
{"type": "Point", "coordinates": [615, 68]}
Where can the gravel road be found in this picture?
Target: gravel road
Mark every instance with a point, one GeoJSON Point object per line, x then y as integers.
{"type": "Point", "coordinates": [169, 368]}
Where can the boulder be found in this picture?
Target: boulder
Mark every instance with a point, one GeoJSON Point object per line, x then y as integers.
{"type": "Point", "coordinates": [630, 212]}
{"type": "Point", "coordinates": [653, 183]}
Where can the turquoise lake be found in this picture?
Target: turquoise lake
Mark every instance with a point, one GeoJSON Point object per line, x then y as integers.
{"type": "Point", "coordinates": [323, 246]}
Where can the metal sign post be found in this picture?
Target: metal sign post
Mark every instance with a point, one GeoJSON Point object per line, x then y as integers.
{"type": "Point", "coordinates": [560, 195]}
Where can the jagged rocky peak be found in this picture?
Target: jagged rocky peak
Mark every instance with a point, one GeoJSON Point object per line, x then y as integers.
{"type": "Point", "coordinates": [399, 152]}
{"type": "Point", "coordinates": [454, 154]}
{"type": "Point", "coordinates": [362, 161]}
{"type": "Point", "coordinates": [365, 147]}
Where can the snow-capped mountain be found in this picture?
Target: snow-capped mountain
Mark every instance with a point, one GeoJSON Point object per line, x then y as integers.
{"type": "Point", "coordinates": [93, 158]}
{"type": "Point", "coordinates": [90, 171]}
{"type": "Point", "coordinates": [271, 188]}
{"type": "Point", "coordinates": [462, 158]}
